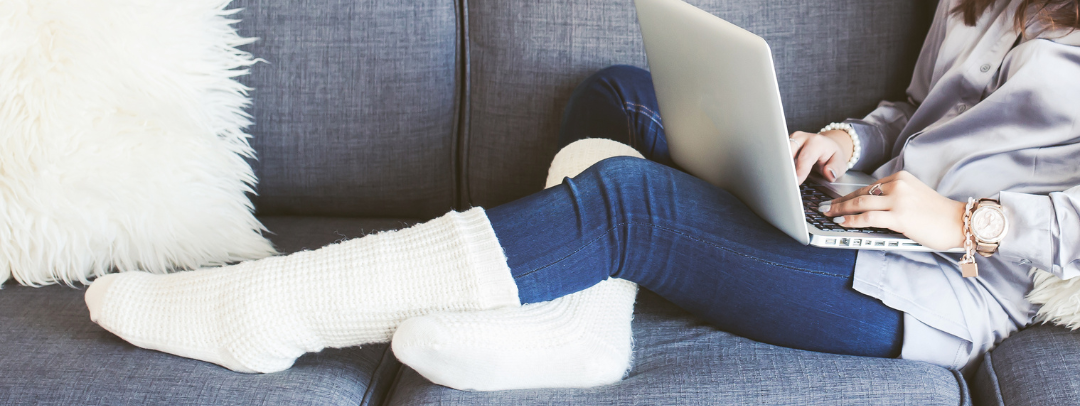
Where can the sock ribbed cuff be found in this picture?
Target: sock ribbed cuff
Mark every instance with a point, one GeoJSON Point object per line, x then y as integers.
{"type": "Point", "coordinates": [486, 258]}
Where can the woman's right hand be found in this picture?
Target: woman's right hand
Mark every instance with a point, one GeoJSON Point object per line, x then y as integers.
{"type": "Point", "coordinates": [827, 153]}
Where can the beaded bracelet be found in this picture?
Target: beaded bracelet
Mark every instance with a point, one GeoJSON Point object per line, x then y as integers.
{"type": "Point", "coordinates": [855, 142]}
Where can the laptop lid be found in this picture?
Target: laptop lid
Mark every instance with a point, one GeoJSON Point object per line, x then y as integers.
{"type": "Point", "coordinates": [720, 101]}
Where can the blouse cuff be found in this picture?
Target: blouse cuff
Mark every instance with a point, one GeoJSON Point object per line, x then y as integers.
{"type": "Point", "coordinates": [1029, 240]}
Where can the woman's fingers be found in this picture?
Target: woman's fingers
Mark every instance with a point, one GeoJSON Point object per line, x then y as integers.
{"type": "Point", "coordinates": [816, 152]}
{"type": "Point", "coordinates": [885, 189]}
{"type": "Point", "coordinates": [879, 219]}
{"type": "Point", "coordinates": [833, 167]}
{"type": "Point", "coordinates": [857, 205]}
{"type": "Point", "coordinates": [796, 144]}
{"type": "Point", "coordinates": [888, 185]}
{"type": "Point", "coordinates": [805, 161]}
{"type": "Point", "coordinates": [798, 140]}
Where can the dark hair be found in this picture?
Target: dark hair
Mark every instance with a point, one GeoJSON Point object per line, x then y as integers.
{"type": "Point", "coordinates": [1055, 14]}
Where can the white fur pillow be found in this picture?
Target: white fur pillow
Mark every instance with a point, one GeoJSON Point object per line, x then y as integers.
{"type": "Point", "coordinates": [1060, 299]}
{"type": "Point", "coordinates": [121, 139]}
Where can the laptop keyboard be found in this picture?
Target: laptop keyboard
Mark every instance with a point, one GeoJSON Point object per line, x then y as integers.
{"type": "Point", "coordinates": [812, 196]}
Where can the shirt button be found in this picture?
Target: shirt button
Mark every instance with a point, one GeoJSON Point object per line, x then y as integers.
{"type": "Point", "coordinates": [961, 108]}
{"type": "Point", "coordinates": [1024, 262]}
{"type": "Point", "coordinates": [985, 68]}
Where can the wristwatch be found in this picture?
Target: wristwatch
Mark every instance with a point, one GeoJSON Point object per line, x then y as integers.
{"type": "Point", "coordinates": [988, 226]}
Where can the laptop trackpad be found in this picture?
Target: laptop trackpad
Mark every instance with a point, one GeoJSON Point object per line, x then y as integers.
{"type": "Point", "coordinates": [849, 182]}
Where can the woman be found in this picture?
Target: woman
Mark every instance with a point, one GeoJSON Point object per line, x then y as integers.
{"type": "Point", "coordinates": [992, 113]}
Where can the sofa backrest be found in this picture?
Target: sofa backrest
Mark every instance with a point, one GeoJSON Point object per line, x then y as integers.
{"type": "Point", "coordinates": [835, 59]}
{"type": "Point", "coordinates": [356, 106]}
{"type": "Point", "coordinates": [408, 108]}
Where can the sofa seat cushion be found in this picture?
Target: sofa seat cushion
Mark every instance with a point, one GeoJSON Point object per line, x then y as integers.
{"type": "Point", "coordinates": [680, 360]}
{"type": "Point", "coordinates": [1035, 366]}
{"type": "Point", "coordinates": [53, 354]}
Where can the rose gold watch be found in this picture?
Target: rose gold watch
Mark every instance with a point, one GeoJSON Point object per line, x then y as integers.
{"type": "Point", "coordinates": [988, 225]}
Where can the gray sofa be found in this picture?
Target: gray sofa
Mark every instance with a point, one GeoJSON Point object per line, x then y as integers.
{"type": "Point", "coordinates": [372, 115]}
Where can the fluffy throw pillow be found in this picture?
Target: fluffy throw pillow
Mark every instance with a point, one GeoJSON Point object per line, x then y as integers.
{"type": "Point", "coordinates": [1060, 299]}
{"type": "Point", "coordinates": [121, 139]}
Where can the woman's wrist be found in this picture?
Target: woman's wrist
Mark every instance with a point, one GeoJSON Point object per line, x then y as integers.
{"type": "Point", "coordinates": [960, 211]}
{"type": "Point", "coordinates": [841, 137]}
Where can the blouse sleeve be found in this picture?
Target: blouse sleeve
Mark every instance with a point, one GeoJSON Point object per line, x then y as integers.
{"type": "Point", "coordinates": [879, 130]}
{"type": "Point", "coordinates": [1044, 231]}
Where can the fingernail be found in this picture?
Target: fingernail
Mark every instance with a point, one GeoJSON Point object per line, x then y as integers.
{"type": "Point", "coordinates": [832, 173]}
{"type": "Point", "coordinates": [838, 220]}
{"type": "Point", "coordinates": [824, 208]}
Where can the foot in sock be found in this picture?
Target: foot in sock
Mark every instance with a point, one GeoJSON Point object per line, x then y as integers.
{"type": "Point", "coordinates": [576, 341]}
{"type": "Point", "coordinates": [259, 316]}
{"type": "Point", "coordinates": [580, 340]}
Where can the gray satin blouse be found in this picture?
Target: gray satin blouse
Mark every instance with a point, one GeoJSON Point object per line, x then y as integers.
{"type": "Point", "coordinates": [989, 114]}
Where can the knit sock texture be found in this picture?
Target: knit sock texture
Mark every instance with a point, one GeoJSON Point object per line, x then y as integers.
{"type": "Point", "coordinates": [580, 340]}
{"type": "Point", "coordinates": [259, 316]}
{"type": "Point", "coordinates": [576, 341]}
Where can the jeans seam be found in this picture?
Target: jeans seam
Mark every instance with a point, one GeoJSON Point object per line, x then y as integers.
{"type": "Point", "coordinates": [685, 234]}
{"type": "Point", "coordinates": [653, 116]}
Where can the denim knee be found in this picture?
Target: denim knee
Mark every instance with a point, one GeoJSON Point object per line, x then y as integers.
{"type": "Point", "coordinates": [625, 182]}
{"type": "Point", "coordinates": [626, 170]}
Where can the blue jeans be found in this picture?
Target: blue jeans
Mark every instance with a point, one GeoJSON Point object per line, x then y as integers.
{"type": "Point", "coordinates": [690, 242]}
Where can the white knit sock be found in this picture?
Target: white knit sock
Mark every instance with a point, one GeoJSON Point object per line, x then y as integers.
{"type": "Point", "coordinates": [580, 340]}
{"type": "Point", "coordinates": [259, 316]}
{"type": "Point", "coordinates": [577, 341]}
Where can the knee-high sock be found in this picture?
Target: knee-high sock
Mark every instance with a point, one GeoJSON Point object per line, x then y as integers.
{"type": "Point", "coordinates": [259, 316]}
{"type": "Point", "coordinates": [580, 340]}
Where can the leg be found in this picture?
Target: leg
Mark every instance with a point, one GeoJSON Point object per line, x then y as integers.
{"type": "Point", "coordinates": [624, 217]}
{"type": "Point", "coordinates": [579, 340]}
{"type": "Point", "coordinates": [697, 246]}
{"type": "Point", "coordinates": [617, 103]}
{"type": "Point", "coordinates": [259, 316]}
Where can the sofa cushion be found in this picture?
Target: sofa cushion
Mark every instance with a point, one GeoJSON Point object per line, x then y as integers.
{"type": "Point", "coordinates": [680, 360]}
{"type": "Point", "coordinates": [53, 354]}
{"type": "Point", "coordinates": [355, 108]}
{"type": "Point", "coordinates": [834, 59]}
{"type": "Point", "coordinates": [1035, 366]}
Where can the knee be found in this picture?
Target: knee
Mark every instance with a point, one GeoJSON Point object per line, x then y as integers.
{"type": "Point", "coordinates": [624, 187]}
{"type": "Point", "coordinates": [623, 172]}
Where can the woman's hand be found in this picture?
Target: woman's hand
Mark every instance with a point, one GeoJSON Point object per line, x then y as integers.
{"type": "Point", "coordinates": [827, 153]}
{"type": "Point", "coordinates": [907, 206]}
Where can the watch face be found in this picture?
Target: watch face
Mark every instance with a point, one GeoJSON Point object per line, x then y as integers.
{"type": "Point", "coordinates": [988, 223]}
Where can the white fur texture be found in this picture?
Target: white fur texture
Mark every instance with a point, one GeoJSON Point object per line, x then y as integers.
{"type": "Point", "coordinates": [121, 139]}
{"type": "Point", "coordinates": [1060, 299]}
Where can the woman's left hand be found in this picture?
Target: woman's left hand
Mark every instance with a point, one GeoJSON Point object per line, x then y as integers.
{"type": "Point", "coordinates": [907, 206]}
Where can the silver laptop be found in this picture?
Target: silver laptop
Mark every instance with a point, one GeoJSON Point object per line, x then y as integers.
{"type": "Point", "coordinates": [721, 107]}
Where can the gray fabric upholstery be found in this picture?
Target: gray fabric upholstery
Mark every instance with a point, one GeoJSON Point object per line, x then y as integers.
{"type": "Point", "coordinates": [355, 107]}
{"type": "Point", "coordinates": [53, 355]}
{"type": "Point", "coordinates": [835, 59]}
{"type": "Point", "coordinates": [298, 233]}
{"type": "Point", "coordinates": [1039, 365]}
{"type": "Point", "coordinates": [356, 113]}
{"type": "Point", "coordinates": [681, 361]}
